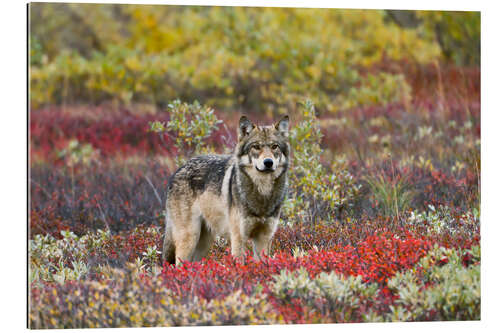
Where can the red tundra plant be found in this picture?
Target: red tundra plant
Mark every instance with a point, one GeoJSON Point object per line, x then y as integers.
{"type": "Point", "coordinates": [376, 259]}
{"type": "Point", "coordinates": [450, 80]}
{"type": "Point", "coordinates": [111, 133]}
{"type": "Point", "coordinates": [110, 197]}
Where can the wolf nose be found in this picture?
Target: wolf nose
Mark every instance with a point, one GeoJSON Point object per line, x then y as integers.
{"type": "Point", "coordinates": [268, 163]}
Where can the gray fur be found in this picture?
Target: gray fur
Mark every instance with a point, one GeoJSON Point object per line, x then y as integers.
{"type": "Point", "coordinates": [200, 173]}
{"type": "Point", "coordinates": [237, 196]}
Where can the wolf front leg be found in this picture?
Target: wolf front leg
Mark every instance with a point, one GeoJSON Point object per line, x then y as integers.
{"type": "Point", "coordinates": [237, 245]}
{"type": "Point", "coordinates": [261, 239]}
{"type": "Point", "coordinates": [238, 238]}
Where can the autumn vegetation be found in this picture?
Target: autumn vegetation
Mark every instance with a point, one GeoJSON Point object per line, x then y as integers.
{"type": "Point", "coordinates": [382, 220]}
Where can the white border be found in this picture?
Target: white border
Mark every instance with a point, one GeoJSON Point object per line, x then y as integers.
{"type": "Point", "coordinates": [13, 153]}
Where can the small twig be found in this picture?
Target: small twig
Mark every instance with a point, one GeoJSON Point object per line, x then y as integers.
{"type": "Point", "coordinates": [41, 187]}
{"type": "Point", "coordinates": [154, 189]}
{"type": "Point", "coordinates": [228, 138]}
{"type": "Point", "coordinates": [162, 139]}
{"type": "Point", "coordinates": [104, 217]}
{"type": "Point", "coordinates": [394, 191]}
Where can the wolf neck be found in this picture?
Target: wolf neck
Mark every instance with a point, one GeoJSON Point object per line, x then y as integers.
{"type": "Point", "coordinates": [260, 197]}
{"type": "Point", "coordinates": [264, 183]}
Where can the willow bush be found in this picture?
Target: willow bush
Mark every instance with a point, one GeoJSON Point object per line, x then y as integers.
{"type": "Point", "coordinates": [228, 57]}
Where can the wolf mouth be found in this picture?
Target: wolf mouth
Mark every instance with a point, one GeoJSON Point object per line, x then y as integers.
{"type": "Point", "coordinates": [265, 170]}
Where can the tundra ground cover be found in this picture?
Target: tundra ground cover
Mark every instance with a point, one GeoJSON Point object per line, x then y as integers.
{"type": "Point", "coordinates": [382, 221]}
{"type": "Point", "coordinates": [377, 280]}
{"type": "Point", "coordinates": [97, 222]}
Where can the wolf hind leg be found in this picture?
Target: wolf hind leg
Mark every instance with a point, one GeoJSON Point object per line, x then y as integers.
{"type": "Point", "coordinates": [168, 252]}
{"type": "Point", "coordinates": [187, 237]}
{"type": "Point", "coordinates": [204, 243]}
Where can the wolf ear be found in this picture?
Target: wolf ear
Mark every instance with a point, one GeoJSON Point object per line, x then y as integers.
{"type": "Point", "coordinates": [245, 127]}
{"type": "Point", "coordinates": [282, 125]}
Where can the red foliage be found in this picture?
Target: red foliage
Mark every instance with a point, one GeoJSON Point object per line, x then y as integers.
{"type": "Point", "coordinates": [453, 81]}
{"type": "Point", "coordinates": [376, 259]}
{"type": "Point", "coordinates": [110, 133]}
{"type": "Point", "coordinates": [100, 196]}
{"type": "Point", "coordinates": [110, 195]}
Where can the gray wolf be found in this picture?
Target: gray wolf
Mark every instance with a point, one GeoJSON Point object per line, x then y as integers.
{"type": "Point", "coordinates": [236, 196]}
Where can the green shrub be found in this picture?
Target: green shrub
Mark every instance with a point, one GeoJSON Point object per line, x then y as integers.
{"type": "Point", "coordinates": [77, 153]}
{"type": "Point", "coordinates": [441, 220]}
{"type": "Point", "coordinates": [380, 89]}
{"type": "Point", "coordinates": [67, 259]}
{"type": "Point", "coordinates": [315, 192]}
{"type": "Point", "coordinates": [126, 299]}
{"type": "Point", "coordinates": [458, 34]}
{"type": "Point", "coordinates": [191, 124]}
{"type": "Point", "coordinates": [439, 287]}
{"type": "Point", "coordinates": [257, 59]}
{"type": "Point", "coordinates": [337, 298]}
{"type": "Point", "coordinates": [49, 258]}
{"type": "Point", "coordinates": [392, 195]}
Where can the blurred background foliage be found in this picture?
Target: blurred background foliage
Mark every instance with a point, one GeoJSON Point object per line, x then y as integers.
{"type": "Point", "coordinates": [236, 58]}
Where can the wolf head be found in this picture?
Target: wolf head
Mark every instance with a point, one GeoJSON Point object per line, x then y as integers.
{"type": "Point", "coordinates": [263, 149]}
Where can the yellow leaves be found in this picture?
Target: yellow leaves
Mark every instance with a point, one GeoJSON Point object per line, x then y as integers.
{"type": "Point", "coordinates": [292, 50]}
{"type": "Point", "coordinates": [314, 72]}
{"type": "Point", "coordinates": [132, 63]}
{"type": "Point", "coordinates": [125, 300]}
{"type": "Point", "coordinates": [70, 305]}
{"type": "Point", "coordinates": [330, 69]}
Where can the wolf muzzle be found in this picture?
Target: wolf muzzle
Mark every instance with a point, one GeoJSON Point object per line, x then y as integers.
{"type": "Point", "coordinates": [268, 163]}
{"type": "Point", "coordinates": [266, 166]}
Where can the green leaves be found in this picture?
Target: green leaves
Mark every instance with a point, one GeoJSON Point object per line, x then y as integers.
{"type": "Point", "coordinates": [259, 59]}
{"type": "Point", "coordinates": [191, 125]}
{"type": "Point", "coordinates": [392, 194]}
{"type": "Point", "coordinates": [76, 153]}
{"type": "Point", "coordinates": [458, 34]}
{"type": "Point", "coordinates": [441, 220]}
{"type": "Point", "coordinates": [440, 287]}
{"type": "Point", "coordinates": [378, 89]}
{"type": "Point", "coordinates": [315, 191]}
{"type": "Point", "coordinates": [342, 298]}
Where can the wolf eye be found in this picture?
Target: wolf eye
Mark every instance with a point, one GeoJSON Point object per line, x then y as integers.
{"type": "Point", "coordinates": [274, 146]}
{"type": "Point", "coordinates": [256, 147]}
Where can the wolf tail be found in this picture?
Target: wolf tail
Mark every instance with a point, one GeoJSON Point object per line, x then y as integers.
{"type": "Point", "coordinates": [168, 253]}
